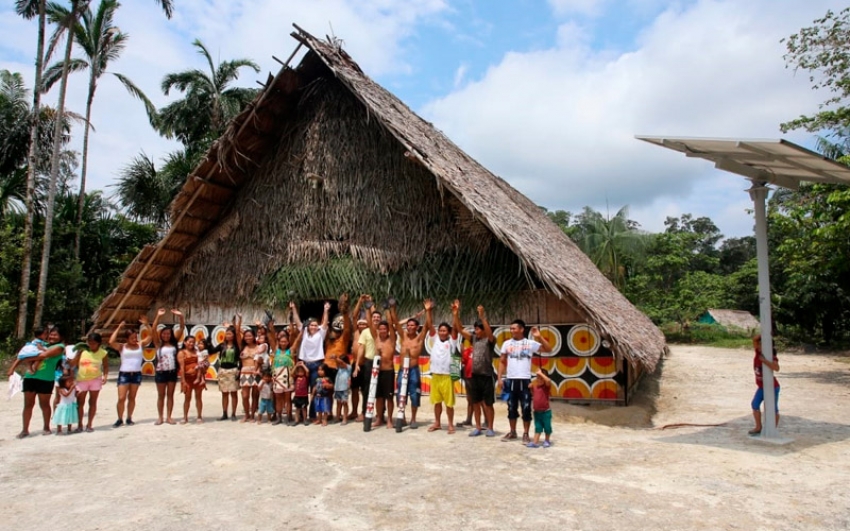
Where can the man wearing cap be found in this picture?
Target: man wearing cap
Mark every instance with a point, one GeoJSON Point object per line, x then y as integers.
{"type": "Point", "coordinates": [481, 389]}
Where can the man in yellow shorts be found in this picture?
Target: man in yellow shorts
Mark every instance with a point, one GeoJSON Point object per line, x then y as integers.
{"type": "Point", "coordinates": [442, 388]}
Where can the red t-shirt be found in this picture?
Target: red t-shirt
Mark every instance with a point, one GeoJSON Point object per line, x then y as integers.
{"type": "Point", "coordinates": [301, 387]}
{"type": "Point", "coordinates": [757, 369]}
{"type": "Point", "coordinates": [540, 397]}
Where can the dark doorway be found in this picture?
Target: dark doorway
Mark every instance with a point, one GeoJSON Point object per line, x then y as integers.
{"type": "Point", "coordinates": [315, 308]}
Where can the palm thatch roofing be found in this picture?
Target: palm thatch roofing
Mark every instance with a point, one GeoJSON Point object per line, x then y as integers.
{"type": "Point", "coordinates": [219, 196]}
{"type": "Point", "coordinates": [734, 318]}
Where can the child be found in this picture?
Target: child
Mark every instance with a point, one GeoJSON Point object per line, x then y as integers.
{"type": "Point", "coordinates": [31, 350]}
{"type": "Point", "coordinates": [66, 411]}
{"type": "Point", "coordinates": [266, 394]}
{"type": "Point", "coordinates": [322, 392]}
{"type": "Point", "coordinates": [203, 362]}
{"type": "Point", "coordinates": [758, 398]}
{"type": "Point", "coordinates": [342, 386]}
{"type": "Point", "coordinates": [540, 405]}
{"type": "Point", "coordinates": [302, 392]}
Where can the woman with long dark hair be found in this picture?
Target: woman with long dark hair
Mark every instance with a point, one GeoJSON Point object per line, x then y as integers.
{"type": "Point", "coordinates": [187, 359]}
{"type": "Point", "coordinates": [249, 374]}
{"type": "Point", "coordinates": [166, 365]}
{"type": "Point", "coordinates": [92, 364]}
{"type": "Point", "coordinates": [129, 372]}
{"type": "Point", "coordinates": [40, 383]}
{"type": "Point", "coordinates": [229, 365]}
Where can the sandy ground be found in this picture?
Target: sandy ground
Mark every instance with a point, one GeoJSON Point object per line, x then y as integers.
{"type": "Point", "coordinates": [610, 468]}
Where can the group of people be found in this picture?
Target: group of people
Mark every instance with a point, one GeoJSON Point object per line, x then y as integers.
{"type": "Point", "coordinates": [299, 373]}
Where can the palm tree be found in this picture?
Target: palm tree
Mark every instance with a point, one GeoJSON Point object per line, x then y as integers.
{"type": "Point", "coordinates": [66, 18]}
{"type": "Point", "coordinates": [30, 9]}
{"type": "Point", "coordinates": [609, 241]}
{"type": "Point", "coordinates": [208, 104]}
{"type": "Point", "coordinates": [145, 193]}
{"type": "Point", "coordinates": [101, 42]}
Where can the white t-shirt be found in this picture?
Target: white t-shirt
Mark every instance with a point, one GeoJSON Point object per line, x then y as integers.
{"type": "Point", "coordinates": [313, 347]}
{"type": "Point", "coordinates": [441, 355]}
{"type": "Point", "coordinates": [131, 359]}
{"type": "Point", "coordinates": [519, 357]}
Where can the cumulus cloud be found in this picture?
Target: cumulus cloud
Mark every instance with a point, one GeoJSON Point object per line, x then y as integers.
{"type": "Point", "coordinates": [559, 123]}
{"type": "Point", "coordinates": [374, 32]}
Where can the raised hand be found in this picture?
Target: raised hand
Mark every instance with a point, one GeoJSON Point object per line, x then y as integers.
{"type": "Point", "coordinates": [480, 311]}
{"type": "Point", "coordinates": [176, 312]}
{"type": "Point", "coordinates": [535, 332]}
{"type": "Point", "coordinates": [455, 306]}
{"type": "Point", "coordinates": [160, 312]}
{"type": "Point", "coordinates": [428, 305]}
{"type": "Point", "coordinates": [143, 319]}
{"type": "Point", "coordinates": [327, 306]}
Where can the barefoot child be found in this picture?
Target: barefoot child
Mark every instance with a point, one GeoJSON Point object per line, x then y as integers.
{"type": "Point", "coordinates": [32, 349]}
{"type": "Point", "coordinates": [758, 398]}
{"type": "Point", "coordinates": [203, 361]}
{"type": "Point", "coordinates": [342, 386]}
{"type": "Point", "coordinates": [266, 394]}
{"type": "Point", "coordinates": [322, 392]}
{"type": "Point", "coordinates": [540, 405]}
{"type": "Point", "coordinates": [302, 393]}
{"type": "Point", "coordinates": [66, 412]}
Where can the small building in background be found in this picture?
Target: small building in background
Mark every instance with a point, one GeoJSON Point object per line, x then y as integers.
{"type": "Point", "coordinates": [731, 320]}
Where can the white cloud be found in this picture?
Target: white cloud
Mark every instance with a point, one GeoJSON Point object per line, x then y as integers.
{"type": "Point", "coordinates": [559, 124]}
{"type": "Point", "coordinates": [374, 32]}
{"type": "Point", "coordinates": [460, 74]}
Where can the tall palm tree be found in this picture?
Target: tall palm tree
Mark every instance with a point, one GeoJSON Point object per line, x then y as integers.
{"type": "Point", "coordinates": [208, 104]}
{"type": "Point", "coordinates": [609, 241]}
{"type": "Point", "coordinates": [30, 9]}
{"type": "Point", "coordinates": [101, 42]}
{"type": "Point", "coordinates": [66, 19]}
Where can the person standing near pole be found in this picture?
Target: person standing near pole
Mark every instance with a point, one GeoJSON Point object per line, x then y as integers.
{"type": "Point", "coordinates": [442, 387]}
{"type": "Point", "coordinates": [515, 364]}
{"type": "Point", "coordinates": [758, 361]}
{"type": "Point", "coordinates": [412, 343]}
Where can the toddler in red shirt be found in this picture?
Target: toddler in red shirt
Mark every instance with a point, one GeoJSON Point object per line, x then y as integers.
{"type": "Point", "coordinates": [540, 407]}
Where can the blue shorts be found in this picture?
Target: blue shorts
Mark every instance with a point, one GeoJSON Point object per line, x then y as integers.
{"type": "Point", "coordinates": [519, 395]}
{"type": "Point", "coordinates": [323, 404]}
{"type": "Point", "coordinates": [414, 385]}
{"type": "Point", "coordinates": [266, 406]}
{"type": "Point", "coordinates": [341, 396]}
{"type": "Point", "coordinates": [758, 398]}
{"type": "Point", "coordinates": [129, 378]}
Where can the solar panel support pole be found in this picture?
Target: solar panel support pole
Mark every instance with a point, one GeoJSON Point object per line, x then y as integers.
{"type": "Point", "coordinates": [758, 193]}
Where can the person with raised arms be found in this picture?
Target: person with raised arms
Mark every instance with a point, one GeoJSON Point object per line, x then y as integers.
{"type": "Point", "coordinates": [165, 375]}
{"type": "Point", "coordinates": [311, 351]}
{"type": "Point", "coordinates": [442, 387]}
{"type": "Point", "coordinates": [129, 372]}
{"type": "Point", "coordinates": [412, 344]}
{"type": "Point", "coordinates": [481, 389]}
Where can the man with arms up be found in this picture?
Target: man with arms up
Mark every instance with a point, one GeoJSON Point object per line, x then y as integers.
{"type": "Point", "coordinates": [480, 390]}
{"type": "Point", "coordinates": [442, 387]}
{"type": "Point", "coordinates": [515, 363]}
{"type": "Point", "coordinates": [412, 343]}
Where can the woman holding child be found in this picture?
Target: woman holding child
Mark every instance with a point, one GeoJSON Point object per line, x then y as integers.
{"type": "Point", "coordinates": [40, 383]}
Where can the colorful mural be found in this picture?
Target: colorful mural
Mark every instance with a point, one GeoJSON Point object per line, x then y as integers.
{"type": "Point", "coordinates": [580, 365]}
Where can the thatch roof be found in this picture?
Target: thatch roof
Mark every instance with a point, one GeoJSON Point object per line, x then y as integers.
{"type": "Point", "coordinates": [203, 214]}
{"type": "Point", "coordinates": [734, 318]}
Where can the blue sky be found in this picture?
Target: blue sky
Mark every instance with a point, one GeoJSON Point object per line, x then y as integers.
{"type": "Point", "coordinates": [547, 94]}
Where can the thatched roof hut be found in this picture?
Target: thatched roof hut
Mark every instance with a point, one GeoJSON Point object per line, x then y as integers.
{"type": "Point", "coordinates": [739, 319]}
{"type": "Point", "coordinates": [329, 183]}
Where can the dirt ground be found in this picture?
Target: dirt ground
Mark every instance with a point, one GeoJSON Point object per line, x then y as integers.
{"type": "Point", "coordinates": [610, 468]}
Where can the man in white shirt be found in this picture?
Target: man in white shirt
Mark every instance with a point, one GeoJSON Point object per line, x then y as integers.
{"type": "Point", "coordinates": [515, 364]}
{"type": "Point", "coordinates": [442, 387]}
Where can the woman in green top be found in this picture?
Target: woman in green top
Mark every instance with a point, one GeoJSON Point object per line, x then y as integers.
{"type": "Point", "coordinates": [41, 382]}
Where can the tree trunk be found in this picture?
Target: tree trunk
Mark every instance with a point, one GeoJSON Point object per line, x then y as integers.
{"type": "Point", "coordinates": [82, 199]}
{"type": "Point", "coordinates": [54, 173]}
{"type": "Point", "coordinates": [32, 163]}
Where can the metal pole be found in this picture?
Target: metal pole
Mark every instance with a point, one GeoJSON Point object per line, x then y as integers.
{"type": "Point", "coordinates": [758, 193]}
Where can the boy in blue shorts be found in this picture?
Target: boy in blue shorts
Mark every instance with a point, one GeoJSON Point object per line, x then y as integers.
{"type": "Point", "coordinates": [758, 361]}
